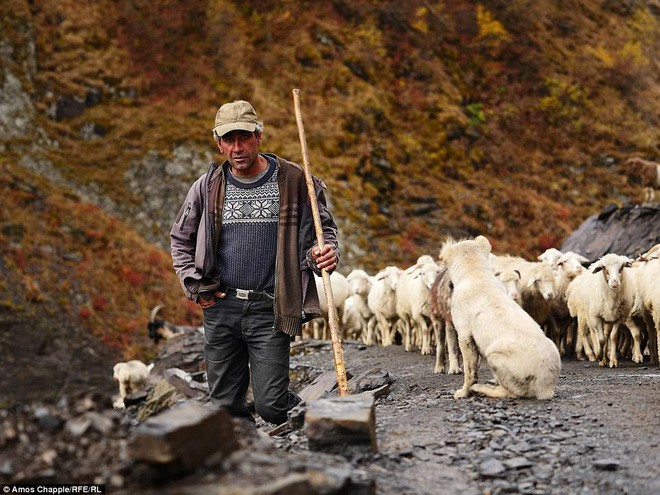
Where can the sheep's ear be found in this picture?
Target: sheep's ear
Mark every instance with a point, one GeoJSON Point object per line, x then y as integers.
{"type": "Point", "coordinates": [497, 274]}
{"type": "Point", "coordinates": [532, 281]}
{"type": "Point", "coordinates": [628, 264]}
{"type": "Point", "coordinates": [597, 268]}
{"type": "Point", "coordinates": [483, 242]}
{"type": "Point", "coordinates": [519, 275]}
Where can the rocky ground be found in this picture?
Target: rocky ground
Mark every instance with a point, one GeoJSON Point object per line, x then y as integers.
{"type": "Point", "coordinates": [598, 436]}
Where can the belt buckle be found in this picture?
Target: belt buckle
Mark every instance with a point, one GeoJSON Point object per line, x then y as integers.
{"type": "Point", "coordinates": [242, 294]}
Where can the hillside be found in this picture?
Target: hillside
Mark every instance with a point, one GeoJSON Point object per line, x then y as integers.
{"type": "Point", "coordinates": [425, 119]}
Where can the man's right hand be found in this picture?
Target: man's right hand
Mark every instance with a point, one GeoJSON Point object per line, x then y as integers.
{"type": "Point", "coordinates": [210, 301]}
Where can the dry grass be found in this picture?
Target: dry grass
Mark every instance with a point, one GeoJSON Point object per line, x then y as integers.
{"type": "Point", "coordinates": [424, 118]}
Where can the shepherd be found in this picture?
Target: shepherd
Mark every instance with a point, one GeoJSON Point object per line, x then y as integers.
{"type": "Point", "coordinates": [244, 249]}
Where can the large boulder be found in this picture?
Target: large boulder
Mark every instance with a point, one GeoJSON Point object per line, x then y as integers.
{"type": "Point", "coordinates": [628, 230]}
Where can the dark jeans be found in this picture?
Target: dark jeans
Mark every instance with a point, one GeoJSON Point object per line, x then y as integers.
{"type": "Point", "coordinates": [240, 343]}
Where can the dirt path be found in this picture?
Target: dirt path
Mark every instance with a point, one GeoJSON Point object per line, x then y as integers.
{"type": "Point", "coordinates": [598, 436]}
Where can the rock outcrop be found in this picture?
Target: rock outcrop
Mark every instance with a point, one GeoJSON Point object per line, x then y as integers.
{"type": "Point", "coordinates": [628, 230]}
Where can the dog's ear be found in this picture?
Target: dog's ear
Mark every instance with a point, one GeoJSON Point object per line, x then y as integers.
{"type": "Point", "coordinates": [483, 243]}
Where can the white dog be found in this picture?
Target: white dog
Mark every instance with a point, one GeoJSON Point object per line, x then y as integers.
{"type": "Point", "coordinates": [489, 323]}
{"type": "Point", "coordinates": [132, 377]}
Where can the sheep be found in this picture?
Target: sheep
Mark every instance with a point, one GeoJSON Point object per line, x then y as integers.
{"type": "Point", "coordinates": [648, 291]}
{"type": "Point", "coordinates": [489, 323]}
{"type": "Point", "coordinates": [446, 340]}
{"type": "Point", "coordinates": [550, 256]}
{"type": "Point", "coordinates": [382, 303]}
{"type": "Point", "coordinates": [340, 292]}
{"type": "Point", "coordinates": [600, 302]}
{"type": "Point", "coordinates": [131, 377]}
{"type": "Point", "coordinates": [163, 330]}
{"type": "Point", "coordinates": [648, 172]}
{"type": "Point", "coordinates": [562, 326]}
{"type": "Point", "coordinates": [536, 284]}
{"type": "Point", "coordinates": [510, 278]}
{"type": "Point", "coordinates": [635, 293]}
{"type": "Point", "coordinates": [413, 304]}
{"type": "Point", "coordinates": [356, 311]}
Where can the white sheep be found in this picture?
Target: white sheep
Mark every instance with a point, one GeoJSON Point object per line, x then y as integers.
{"type": "Point", "coordinates": [490, 324]}
{"type": "Point", "coordinates": [510, 278]}
{"type": "Point", "coordinates": [550, 256]}
{"type": "Point", "coordinates": [648, 290]}
{"type": "Point", "coordinates": [638, 312]}
{"type": "Point", "coordinates": [340, 292]}
{"type": "Point", "coordinates": [382, 303]}
{"type": "Point", "coordinates": [413, 305]}
{"type": "Point", "coordinates": [561, 328]}
{"type": "Point", "coordinates": [536, 284]}
{"type": "Point", "coordinates": [599, 300]}
{"type": "Point", "coordinates": [131, 377]}
{"type": "Point", "coordinates": [357, 314]}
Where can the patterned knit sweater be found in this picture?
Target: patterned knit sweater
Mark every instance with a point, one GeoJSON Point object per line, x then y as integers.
{"type": "Point", "coordinates": [248, 245]}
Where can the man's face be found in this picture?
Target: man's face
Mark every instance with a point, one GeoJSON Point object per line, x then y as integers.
{"type": "Point", "coordinates": [242, 150]}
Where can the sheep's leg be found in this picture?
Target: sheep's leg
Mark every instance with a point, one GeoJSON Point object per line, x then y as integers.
{"type": "Point", "coordinates": [407, 334]}
{"type": "Point", "coordinates": [654, 337]}
{"type": "Point", "coordinates": [440, 331]}
{"type": "Point", "coordinates": [470, 365]}
{"type": "Point", "coordinates": [384, 329]}
{"type": "Point", "coordinates": [614, 332]}
{"type": "Point", "coordinates": [606, 347]}
{"type": "Point", "coordinates": [426, 336]}
{"type": "Point", "coordinates": [570, 338]}
{"type": "Point", "coordinates": [371, 331]}
{"type": "Point", "coordinates": [636, 334]}
{"type": "Point", "coordinates": [555, 332]}
{"type": "Point", "coordinates": [453, 350]}
{"type": "Point", "coordinates": [597, 338]}
{"type": "Point", "coordinates": [123, 392]}
{"type": "Point", "coordinates": [583, 341]}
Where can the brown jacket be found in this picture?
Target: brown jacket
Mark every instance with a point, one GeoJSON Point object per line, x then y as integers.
{"type": "Point", "coordinates": [198, 226]}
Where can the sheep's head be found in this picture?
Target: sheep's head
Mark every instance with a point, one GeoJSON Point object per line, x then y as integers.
{"type": "Point", "coordinates": [544, 282]}
{"type": "Point", "coordinates": [571, 264]}
{"type": "Point", "coordinates": [612, 266]}
{"type": "Point", "coordinates": [510, 279]}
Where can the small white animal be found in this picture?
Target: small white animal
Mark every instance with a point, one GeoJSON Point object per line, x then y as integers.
{"type": "Point", "coordinates": [489, 323]}
{"type": "Point", "coordinates": [132, 377]}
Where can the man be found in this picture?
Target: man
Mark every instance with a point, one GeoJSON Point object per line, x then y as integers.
{"type": "Point", "coordinates": [243, 246]}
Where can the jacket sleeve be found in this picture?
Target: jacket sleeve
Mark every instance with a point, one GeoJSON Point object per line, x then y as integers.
{"type": "Point", "coordinates": [328, 225]}
{"type": "Point", "coordinates": [184, 241]}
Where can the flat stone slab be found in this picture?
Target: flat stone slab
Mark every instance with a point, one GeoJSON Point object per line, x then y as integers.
{"type": "Point", "coordinates": [186, 434]}
{"type": "Point", "coordinates": [334, 423]}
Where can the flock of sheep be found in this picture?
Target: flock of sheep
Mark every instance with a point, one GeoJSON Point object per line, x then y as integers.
{"type": "Point", "coordinates": [607, 311]}
{"type": "Point", "coordinates": [521, 316]}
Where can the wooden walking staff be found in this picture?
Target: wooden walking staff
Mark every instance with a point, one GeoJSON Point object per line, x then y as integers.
{"type": "Point", "coordinates": [333, 320]}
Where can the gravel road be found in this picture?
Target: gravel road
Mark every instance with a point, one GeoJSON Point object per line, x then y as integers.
{"type": "Point", "coordinates": [599, 435]}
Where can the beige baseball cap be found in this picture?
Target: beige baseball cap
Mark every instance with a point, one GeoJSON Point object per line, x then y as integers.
{"type": "Point", "coordinates": [238, 115]}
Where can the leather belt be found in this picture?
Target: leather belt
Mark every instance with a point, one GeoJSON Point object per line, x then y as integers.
{"type": "Point", "coordinates": [250, 295]}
